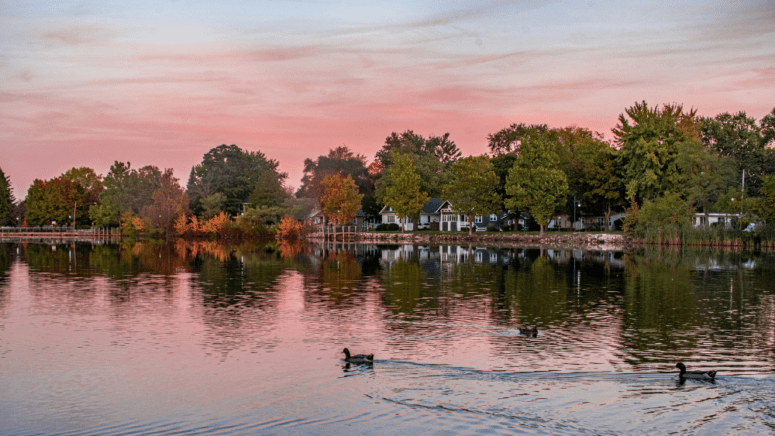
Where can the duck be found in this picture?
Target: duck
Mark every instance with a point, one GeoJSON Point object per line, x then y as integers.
{"type": "Point", "coordinates": [358, 358]}
{"type": "Point", "coordinates": [528, 331]}
{"type": "Point", "coordinates": [701, 375]}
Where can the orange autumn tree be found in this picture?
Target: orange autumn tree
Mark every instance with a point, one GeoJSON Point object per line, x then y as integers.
{"type": "Point", "coordinates": [341, 199]}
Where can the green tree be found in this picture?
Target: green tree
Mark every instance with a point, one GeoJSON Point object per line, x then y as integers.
{"type": "Point", "coordinates": [212, 204]}
{"type": "Point", "coordinates": [598, 177]}
{"type": "Point", "coordinates": [535, 183]}
{"type": "Point", "coordinates": [403, 194]}
{"type": "Point", "coordinates": [739, 138]}
{"type": "Point", "coordinates": [268, 191]}
{"type": "Point", "coordinates": [6, 199]}
{"type": "Point", "coordinates": [764, 205]}
{"type": "Point", "coordinates": [473, 188]}
{"type": "Point", "coordinates": [229, 170]}
{"type": "Point", "coordinates": [127, 191]}
{"type": "Point", "coordinates": [706, 175]}
{"type": "Point", "coordinates": [431, 158]}
{"type": "Point", "coordinates": [649, 139]}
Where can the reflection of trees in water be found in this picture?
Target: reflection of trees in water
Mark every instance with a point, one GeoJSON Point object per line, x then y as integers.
{"type": "Point", "coordinates": [7, 253]}
{"type": "Point", "coordinates": [683, 300]}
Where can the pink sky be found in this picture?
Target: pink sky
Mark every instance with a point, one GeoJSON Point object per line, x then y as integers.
{"type": "Point", "coordinates": [161, 83]}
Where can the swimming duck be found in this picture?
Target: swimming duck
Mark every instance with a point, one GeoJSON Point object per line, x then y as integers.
{"type": "Point", "coordinates": [358, 358]}
{"type": "Point", "coordinates": [528, 331]}
{"type": "Point", "coordinates": [701, 375]}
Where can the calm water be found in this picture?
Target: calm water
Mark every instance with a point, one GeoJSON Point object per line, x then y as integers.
{"type": "Point", "coordinates": [207, 339]}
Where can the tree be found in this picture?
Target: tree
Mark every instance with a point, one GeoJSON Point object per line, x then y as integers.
{"type": "Point", "coordinates": [431, 158]}
{"type": "Point", "coordinates": [534, 183]}
{"type": "Point", "coordinates": [169, 203]}
{"type": "Point", "coordinates": [127, 192]}
{"type": "Point", "coordinates": [473, 188]}
{"type": "Point", "coordinates": [739, 138]}
{"type": "Point", "coordinates": [268, 191]}
{"type": "Point", "coordinates": [649, 140]}
{"type": "Point", "coordinates": [338, 161]}
{"type": "Point", "coordinates": [59, 198]}
{"type": "Point", "coordinates": [509, 140]}
{"type": "Point", "coordinates": [6, 199]}
{"type": "Point", "coordinates": [764, 206]}
{"type": "Point", "coordinates": [706, 174]}
{"type": "Point", "coordinates": [597, 177]}
{"type": "Point", "coordinates": [501, 165]}
{"type": "Point", "coordinates": [341, 199]}
{"type": "Point", "coordinates": [229, 170]}
{"type": "Point", "coordinates": [403, 194]}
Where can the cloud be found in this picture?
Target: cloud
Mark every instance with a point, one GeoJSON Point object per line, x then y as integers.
{"type": "Point", "coordinates": [79, 34]}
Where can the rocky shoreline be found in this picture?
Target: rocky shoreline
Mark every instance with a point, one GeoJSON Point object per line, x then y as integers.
{"type": "Point", "coordinates": [584, 241]}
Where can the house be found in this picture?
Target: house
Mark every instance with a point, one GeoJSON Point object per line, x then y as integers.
{"type": "Point", "coordinates": [438, 214]}
{"type": "Point", "coordinates": [724, 219]}
{"type": "Point", "coordinates": [481, 223]}
{"type": "Point", "coordinates": [428, 216]}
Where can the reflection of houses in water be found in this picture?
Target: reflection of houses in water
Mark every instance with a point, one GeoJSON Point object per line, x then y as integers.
{"type": "Point", "coordinates": [448, 254]}
{"type": "Point", "coordinates": [562, 257]}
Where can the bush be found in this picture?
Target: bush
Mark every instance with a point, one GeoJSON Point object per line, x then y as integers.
{"type": "Point", "coordinates": [388, 227]}
{"type": "Point", "coordinates": [289, 228]}
{"type": "Point", "coordinates": [492, 228]}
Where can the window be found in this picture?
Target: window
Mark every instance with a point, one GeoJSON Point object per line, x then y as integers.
{"type": "Point", "coordinates": [391, 219]}
{"type": "Point", "coordinates": [493, 217]}
{"type": "Point", "coordinates": [478, 219]}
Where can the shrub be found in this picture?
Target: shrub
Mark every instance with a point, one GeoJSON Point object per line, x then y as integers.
{"type": "Point", "coordinates": [289, 228]}
{"type": "Point", "coordinates": [492, 228]}
{"type": "Point", "coordinates": [392, 227]}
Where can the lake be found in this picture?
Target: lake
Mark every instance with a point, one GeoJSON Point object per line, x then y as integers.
{"type": "Point", "coordinates": [204, 338]}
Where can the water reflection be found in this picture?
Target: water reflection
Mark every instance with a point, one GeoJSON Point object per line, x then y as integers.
{"type": "Point", "coordinates": [262, 326]}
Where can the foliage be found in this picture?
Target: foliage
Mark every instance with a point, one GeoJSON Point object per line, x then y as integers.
{"type": "Point", "coordinates": [660, 219]}
{"type": "Point", "coordinates": [340, 161]}
{"type": "Point", "coordinates": [649, 139]}
{"type": "Point", "coordinates": [56, 199]}
{"type": "Point", "coordinates": [534, 183]}
{"type": "Point", "coordinates": [181, 225]}
{"type": "Point", "coordinates": [6, 199]}
{"type": "Point", "coordinates": [126, 190]}
{"type": "Point", "coordinates": [706, 175]}
{"type": "Point", "coordinates": [341, 199]}
{"type": "Point", "coordinates": [212, 205]}
{"type": "Point", "coordinates": [431, 157]}
{"type": "Point", "coordinates": [764, 206]}
{"type": "Point", "coordinates": [741, 139]}
{"type": "Point", "coordinates": [403, 194]}
{"type": "Point", "coordinates": [229, 170]}
{"type": "Point", "coordinates": [289, 228]}
{"type": "Point", "coordinates": [501, 165]}
{"type": "Point", "coordinates": [509, 140]}
{"type": "Point", "coordinates": [169, 202]}
{"type": "Point", "coordinates": [597, 177]}
{"type": "Point", "coordinates": [472, 189]}
{"type": "Point", "coordinates": [268, 191]}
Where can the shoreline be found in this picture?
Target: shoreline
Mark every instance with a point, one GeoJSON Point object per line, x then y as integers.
{"type": "Point", "coordinates": [583, 241]}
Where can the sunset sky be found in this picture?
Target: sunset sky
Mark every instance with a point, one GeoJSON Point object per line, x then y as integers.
{"type": "Point", "coordinates": [162, 82]}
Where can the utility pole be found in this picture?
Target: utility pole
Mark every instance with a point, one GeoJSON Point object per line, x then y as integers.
{"type": "Point", "coordinates": [573, 224]}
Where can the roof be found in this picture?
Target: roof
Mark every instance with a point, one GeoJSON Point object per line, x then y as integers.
{"type": "Point", "coordinates": [432, 206]}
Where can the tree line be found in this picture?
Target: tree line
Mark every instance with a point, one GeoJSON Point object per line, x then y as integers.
{"type": "Point", "coordinates": [663, 164]}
